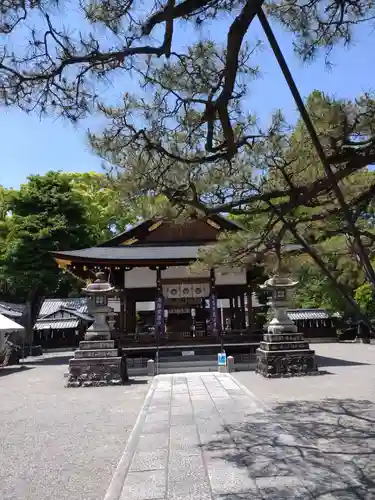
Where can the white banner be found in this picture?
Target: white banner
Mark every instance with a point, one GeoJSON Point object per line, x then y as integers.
{"type": "Point", "coordinates": [186, 290]}
{"type": "Point", "coordinates": [172, 291]}
{"type": "Point", "coordinates": [201, 290]}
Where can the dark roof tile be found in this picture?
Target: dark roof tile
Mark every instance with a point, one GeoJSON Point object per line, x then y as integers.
{"type": "Point", "coordinates": [136, 253]}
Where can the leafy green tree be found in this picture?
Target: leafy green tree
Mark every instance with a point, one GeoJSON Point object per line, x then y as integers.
{"type": "Point", "coordinates": [364, 295]}
{"type": "Point", "coordinates": [56, 211]}
{"type": "Point", "coordinates": [315, 291]}
{"type": "Point", "coordinates": [46, 215]}
{"type": "Point", "coordinates": [107, 211]}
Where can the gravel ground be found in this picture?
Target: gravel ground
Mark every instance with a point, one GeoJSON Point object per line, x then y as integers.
{"type": "Point", "coordinates": [59, 443]}
{"type": "Point", "coordinates": [351, 376]}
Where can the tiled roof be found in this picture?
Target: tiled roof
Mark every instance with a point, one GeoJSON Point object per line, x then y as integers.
{"type": "Point", "coordinates": [50, 306]}
{"type": "Point", "coordinates": [78, 314]}
{"type": "Point", "coordinates": [11, 313]}
{"type": "Point", "coordinates": [60, 324]}
{"type": "Point", "coordinates": [136, 253]}
{"type": "Point", "coordinates": [301, 314]}
{"type": "Point", "coordinates": [71, 313]}
{"type": "Point", "coordinates": [11, 310]}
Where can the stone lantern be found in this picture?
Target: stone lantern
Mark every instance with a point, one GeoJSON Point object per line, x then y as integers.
{"type": "Point", "coordinates": [98, 293]}
{"type": "Point", "coordinates": [283, 352]}
{"type": "Point", "coordinates": [97, 362]}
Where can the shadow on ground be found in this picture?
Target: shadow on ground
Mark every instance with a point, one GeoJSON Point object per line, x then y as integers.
{"type": "Point", "coordinates": [136, 381]}
{"type": "Point", "coordinates": [327, 361]}
{"type": "Point", "coordinates": [10, 370]}
{"type": "Point", "coordinates": [328, 445]}
{"type": "Point", "coordinates": [51, 360]}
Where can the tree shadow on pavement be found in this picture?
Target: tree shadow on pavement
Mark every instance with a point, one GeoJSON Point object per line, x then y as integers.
{"type": "Point", "coordinates": [328, 446]}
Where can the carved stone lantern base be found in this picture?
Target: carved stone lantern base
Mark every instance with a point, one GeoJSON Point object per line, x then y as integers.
{"type": "Point", "coordinates": [276, 360]}
{"type": "Point", "coordinates": [97, 363]}
{"type": "Point", "coordinates": [284, 352]}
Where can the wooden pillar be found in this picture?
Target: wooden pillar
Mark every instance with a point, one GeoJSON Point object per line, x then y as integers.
{"type": "Point", "coordinates": [131, 315]}
{"type": "Point", "coordinates": [231, 310]}
{"type": "Point", "coordinates": [213, 305]}
{"type": "Point", "coordinates": [124, 321]}
{"type": "Point", "coordinates": [237, 313]}
{"type": "Point", "coordinates": [159, 306]}
{"type": "Point", "coordinates": [242, 309]}
{"type": "Point", "coordinates": [122, 312]}
{"type": "Point", "coordinates": [249, 296]}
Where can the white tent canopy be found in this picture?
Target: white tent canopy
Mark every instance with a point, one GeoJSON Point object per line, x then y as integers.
{"type": "Point", "coordinates": [8, 325]}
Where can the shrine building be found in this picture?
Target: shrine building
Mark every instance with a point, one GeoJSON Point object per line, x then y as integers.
{"type": "Point", "coordinates": [150, 263]}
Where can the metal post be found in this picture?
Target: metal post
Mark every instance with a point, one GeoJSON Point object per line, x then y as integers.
{"type": "Point", "coordinates": [157, 331]}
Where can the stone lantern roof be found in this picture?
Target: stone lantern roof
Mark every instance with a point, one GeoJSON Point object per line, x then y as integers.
{"type": "Point", "coordinates": [277, 281]}
{"type": "Point", "coordinates": [100, 286]}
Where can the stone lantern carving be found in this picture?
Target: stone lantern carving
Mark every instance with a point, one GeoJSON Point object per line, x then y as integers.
{"type": "Point", "coordinates": [97, 362]}
{"type": "Point", "coordinates": [283, 352]}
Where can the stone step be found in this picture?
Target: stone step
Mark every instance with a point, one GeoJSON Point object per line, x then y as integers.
{"type": "Point", "coordinates": [89, 345]}
{"type": "Point", "coordinates": [187, 359]}
{"type": "Point", "coordinates": [190, 368]}
{"type": "Point", "coordinates": [185, 368]}
{"type": "Point", "coordinates": [291, 351]}
{"type": "Point", "coordinates": [94, 361]}
{"type": "Point", "coordinates": [283, 337]}
{"type": "Point", "coordinates": [283, 346]}
{"type": "Point", "coordinates": [166, 368]}
{"type": "Point", "coordinates": [177, 364]}
{"type": "Point", "coordinates": [163, 370]}
{"type": "Point", "coordinates": [96, 353]}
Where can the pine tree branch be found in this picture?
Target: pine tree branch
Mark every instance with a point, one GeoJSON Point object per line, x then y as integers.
{"type": "Point", "coordinates": [183, 9]}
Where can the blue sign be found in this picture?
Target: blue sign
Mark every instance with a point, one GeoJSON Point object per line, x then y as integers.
{"type": "Point", "coordinates": [222, 359]}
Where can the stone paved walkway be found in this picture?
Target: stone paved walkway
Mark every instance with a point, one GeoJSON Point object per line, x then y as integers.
{"type": "Point", "coordinates": [205, 437]}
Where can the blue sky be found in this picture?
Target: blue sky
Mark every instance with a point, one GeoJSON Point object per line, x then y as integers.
{"type": "Point", "coordinates": [29, 145]}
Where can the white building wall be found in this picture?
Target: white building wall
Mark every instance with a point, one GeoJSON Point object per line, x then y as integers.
{"type": "Point", "coordinates": [140, 277]}
{"type": "Point", "coordinates": [182, 272]}
{"type": "Point", "coordinates": [225, 276]}
{"type": "Point", "coordinates": [143, 277]}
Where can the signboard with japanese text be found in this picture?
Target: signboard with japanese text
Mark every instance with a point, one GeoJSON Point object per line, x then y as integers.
{"type": "Point", "coordinates": [213, 313]}
{"type": "Point", "coordinates": [159, 315]}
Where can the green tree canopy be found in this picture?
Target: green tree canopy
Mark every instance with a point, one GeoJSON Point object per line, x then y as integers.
{"type": "Point", "coordinates": [364, 296]}
{"type": "Point", "coordinates": [56, 211]}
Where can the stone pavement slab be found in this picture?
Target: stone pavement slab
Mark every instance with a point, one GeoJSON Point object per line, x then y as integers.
{"type": "Point", "coordinates": [205, 436]}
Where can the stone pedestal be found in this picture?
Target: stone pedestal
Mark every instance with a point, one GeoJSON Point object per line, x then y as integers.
{"type": "Point", "coordinates": [97, 363]}
{"type": "Point", "coordinates": [283, 352]}
{"type": "Point", "coordinates": [285, 355]}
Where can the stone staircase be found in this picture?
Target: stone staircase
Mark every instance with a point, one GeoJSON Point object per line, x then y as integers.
{"type": "Point", "coordinates": [185, 364]}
